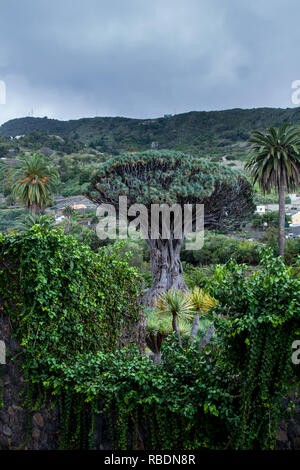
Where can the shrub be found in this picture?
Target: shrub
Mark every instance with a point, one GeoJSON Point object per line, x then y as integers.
{"type": "Point", "coordinates": [271, 218]}
{"type": "Point", "coordinates": [258, 320]}
{"type": "Point", "coordinates": [291, 249]}
{"type": "Point", "coordinates": [218, 249]}
{"type": "Point", "coordinates": [195, 276]}
{"type": "Point", "coordinates": [9, 218]}
{"type": "Point", "coordinates": [71, 298]}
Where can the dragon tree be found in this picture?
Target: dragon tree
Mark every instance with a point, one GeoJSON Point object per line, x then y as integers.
{"type": "Point", "coordinates": [165, 177]}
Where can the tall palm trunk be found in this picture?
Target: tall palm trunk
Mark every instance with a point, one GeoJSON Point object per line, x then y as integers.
{"type": "Point", "coordinates": [33, 207]}
{"type": "Point", "coordinates": [281, 219]}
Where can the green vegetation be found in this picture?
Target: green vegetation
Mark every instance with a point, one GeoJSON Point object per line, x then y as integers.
{"type": "Point", "coordinates": [37, 219]}
{"type": "Point", "coordinates": [10, 218]}
{"type": "Point", "coordinates": [196, 276]}
{"type": "Point", "coordinates": [291, 249]}
{"type": "Point", "coordinates": [69, 317]}
{"type": "Point", "coordinates": [68, 211]}
{"type": "Point", "coordinates": [75, 148]}
{"type": "Point", "coordinates": [262, 198]}
{"type": "Point", "coordinates": [74, 170]}
{"type": "Point", "coordinates": [36, 141]}
{"type": "Point", "coordinates": [220, 361]}
{"type": "Point", "coordinates": [211, 134]}
{"type": "Point", "coordinates": [159, 327]}
{"type": "Point", "coordinates": [269, 218]}
{"type": "Point", "coordinates": [174, 303]}
{"type": "Point", "coordinates": [67, 288]}
{"type": "Point", "coordinates": [82, 234]}
{"type": "Point", "coordinates": [218, 249]}
{"type": "Point", "coordinates": [202, 303]}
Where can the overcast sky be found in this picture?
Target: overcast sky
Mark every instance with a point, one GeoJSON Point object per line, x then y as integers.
{"type": "Point", "coordinates": [144, 58]}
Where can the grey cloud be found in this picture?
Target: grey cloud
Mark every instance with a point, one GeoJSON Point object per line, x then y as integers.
{"type": "Point", "coordinates": [73, 58]}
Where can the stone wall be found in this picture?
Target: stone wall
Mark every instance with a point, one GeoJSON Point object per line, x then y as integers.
{"type": "Point", "coordinates": [289, 430]}
{"type": "Point", "coordinates": [18, 427]}
{"type": "Point", "coordinates": [38, 430]}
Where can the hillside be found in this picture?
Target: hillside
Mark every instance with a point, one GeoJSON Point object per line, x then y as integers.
{"type": "Point", "coordinates": [75, 148]}
{"type": "Point", "coordinates": [199, 132]}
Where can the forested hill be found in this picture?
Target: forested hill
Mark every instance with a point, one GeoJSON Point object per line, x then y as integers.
{"type": "Point", "coordinates": [200, 130]}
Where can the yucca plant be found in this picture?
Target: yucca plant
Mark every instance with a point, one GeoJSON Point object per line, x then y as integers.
{"type": "Point", "coordinates": [176, 304]}
{"type": "Point", "coordinates": [158, 328]}
{"type": "Point", "coordinates": [202, 303]}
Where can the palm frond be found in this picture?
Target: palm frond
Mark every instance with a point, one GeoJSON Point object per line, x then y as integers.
{"type": "Point", "coordinates": [274, 158]}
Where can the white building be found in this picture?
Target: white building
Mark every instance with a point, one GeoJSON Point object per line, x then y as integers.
{"type": "Point", "coordinates": [59, 218]}
{"type": "Point", "coordinates": [260, 209]}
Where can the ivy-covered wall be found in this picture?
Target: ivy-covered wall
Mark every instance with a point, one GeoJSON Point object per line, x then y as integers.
{"type": "Point", "coordinates": [40, 429]}
{"type": "Point", "coordinates": [57, 299]}
{"type": "Point", "coordinates": [20, 427]}
{"type": "Point", "coordinates": [69, 309]}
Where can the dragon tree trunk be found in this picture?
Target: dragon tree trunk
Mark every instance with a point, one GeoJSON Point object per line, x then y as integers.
{"type": "Point", "coordinates": [166, 268]}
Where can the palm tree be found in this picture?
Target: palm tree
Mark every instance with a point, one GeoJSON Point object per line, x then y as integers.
{"type": "Point", "coordinates": [68, 211]}
{"type": "Point", "coordinates": [274, 163]}
{"type": "Point", "coordinates": [175, 303]}
{"type": "Point", "coordinates": [36, 180]}
{"type": "Point", "coordinates": [202, 303]}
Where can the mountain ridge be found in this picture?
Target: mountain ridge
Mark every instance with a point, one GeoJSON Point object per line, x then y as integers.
{"type": "Point", "coordinates": [201, 129]}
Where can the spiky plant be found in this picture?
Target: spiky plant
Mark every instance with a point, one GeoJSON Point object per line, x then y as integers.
{"type": "Point", "coordinates": [274, 163]}
{"type": "Point", "coordinates": [158, 328]}
{"type": "Point", "coordinates": [35, 182]}
{"type": "Point", "coordinates": [176, 304]}
{"type": "Point", "coordinates": [202, 303]}
{"type": "Point", "coordinates": [37, 219]}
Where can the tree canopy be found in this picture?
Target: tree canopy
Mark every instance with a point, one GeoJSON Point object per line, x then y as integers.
{"type": "Point", "coordinates": [169, 177]}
